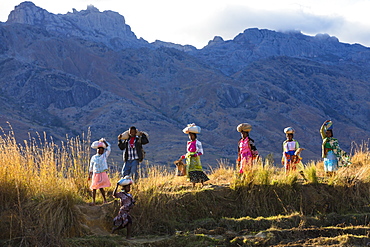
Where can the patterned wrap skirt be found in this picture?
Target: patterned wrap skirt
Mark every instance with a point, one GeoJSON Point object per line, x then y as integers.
{"type": "Point", "coordinates": [194, 169]}
{"type": "Point", "coordinates": [197, 177]}
{"type": "Point", "coordinates": [122, 219]}
{"type": "Point", "coordinates": [100, 180]}
{"type": "Point", "coordinates": [292, 161]}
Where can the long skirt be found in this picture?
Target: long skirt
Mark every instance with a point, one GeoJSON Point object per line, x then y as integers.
{"type": "Point", "coordinates": [194, 170]}
{"type": "Point", "coordinates": [246, 163]}
{"type": "Point", "coordinates": [330, 162]}
{"type": "Point", "coordinates": [197, 177]}
{"type": "Point", "coordinates": [100, 180]}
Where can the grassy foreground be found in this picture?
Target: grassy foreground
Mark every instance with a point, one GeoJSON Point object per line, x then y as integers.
{"type": "Point", "coordinates": [44, 192]}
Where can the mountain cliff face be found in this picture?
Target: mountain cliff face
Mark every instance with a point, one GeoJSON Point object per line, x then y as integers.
{"type": "Point", "coordinates": [64, 73]}
{"type": "Point", "coordinates": [108, 27]}
{"type": "Point", "coordinates": [255, 44]}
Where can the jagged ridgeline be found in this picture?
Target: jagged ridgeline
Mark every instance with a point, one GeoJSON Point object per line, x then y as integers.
{"type": "Point", "coordinates": [62, 73]}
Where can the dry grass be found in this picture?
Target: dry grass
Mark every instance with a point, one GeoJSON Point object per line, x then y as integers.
{"type": "Point", "coordinates": [40, 182]}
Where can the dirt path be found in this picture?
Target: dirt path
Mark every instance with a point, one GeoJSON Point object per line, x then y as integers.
{"type": "Point", "coordinates": [95, 218]}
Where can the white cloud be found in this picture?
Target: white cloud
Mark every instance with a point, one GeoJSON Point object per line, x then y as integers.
{"type": "Point", "coordinates": [236, 19]}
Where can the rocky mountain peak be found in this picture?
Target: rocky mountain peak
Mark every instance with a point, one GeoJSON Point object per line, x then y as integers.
{"type": "Point", "coordinates": [216, 40]}
{"type": "Point", "coordinates": [28, 13]}
{"type": "Point", "coordinates": [255, 44]}
{"type": "Point", "coordinates": [107, 27]}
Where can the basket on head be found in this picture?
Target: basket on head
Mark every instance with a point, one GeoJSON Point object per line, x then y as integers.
{"type": "Point", "coordinates": [244, 127]}
{"type": "Point", "coordinates": [328, 125]}
{"type": "Point", "coordinates": [191, 128]}
{"type": "Point", "coordinates": [289, 130]}
{"type": "Point", "coordinates": [125, 181]}
{"type": "Point", "coordinates": [98, 144]}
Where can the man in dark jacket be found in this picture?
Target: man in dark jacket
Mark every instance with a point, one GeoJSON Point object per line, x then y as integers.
{"type": "Point", "coordinates": [133, 151]}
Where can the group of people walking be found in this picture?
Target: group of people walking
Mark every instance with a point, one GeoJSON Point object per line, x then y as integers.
{"type": "Point", "coordinates": [334, 157]}
{"type": "Point", "coordinates": [131, 143]}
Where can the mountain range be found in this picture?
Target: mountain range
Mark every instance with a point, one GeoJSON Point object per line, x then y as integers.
{"type": "Point", "coordinates": [66, 73]}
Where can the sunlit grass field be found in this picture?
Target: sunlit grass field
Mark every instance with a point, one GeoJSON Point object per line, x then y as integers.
{"type": "Point", "coordinates": [42, 182]}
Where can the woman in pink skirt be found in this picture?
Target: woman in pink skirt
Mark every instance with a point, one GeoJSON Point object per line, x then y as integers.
{"type": "Point", "coordinates": [98, 169]}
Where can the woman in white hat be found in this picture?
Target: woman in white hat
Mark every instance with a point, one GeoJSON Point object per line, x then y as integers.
{"type": "Point", "coordinates": [291, 151]}
{"type": "Point", "coordinates": [331, 152]}
{"type": "Point", "coordinates": [247, 151]}
{"type": "Point", "coordinates": [194, 170]}
{"type": "Point", "coordinates": [123, 219]}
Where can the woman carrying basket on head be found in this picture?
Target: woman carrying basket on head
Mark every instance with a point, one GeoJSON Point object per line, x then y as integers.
{"type": "Point", "coordinates": [247, 151]}
{"type": "Point", "coordinates": [98, 169]}
{"type": "Point", "coordinates": [334, 156]}
{"type": "Point", "coordinates": [194, 170]}
{"type": "Point", "coordinates": [291, 158]}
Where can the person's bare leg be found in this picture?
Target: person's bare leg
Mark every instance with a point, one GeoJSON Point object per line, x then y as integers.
{"type": "Point", "coordinates": [129, 229]}
{"type": "Point", "coordinates": [103, 194]}
{"type": "Point", "coordinates": [115, 228]}
{"type": "Point", "coordinates": [93, 197]}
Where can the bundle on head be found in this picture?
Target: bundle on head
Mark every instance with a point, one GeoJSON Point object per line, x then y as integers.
{"type": "Point", "coordinates": [125, 181]}
{"type": "Point", "coordinates": [191, 128]}
{"type": "Point", "coordinates": [125, 135]}
{"type": "Point", "coordinates": [289, 130]}
{"type": "Point", "coordinates": [244, 127]}
{"type": "Point", "coordinates": [98, 144]}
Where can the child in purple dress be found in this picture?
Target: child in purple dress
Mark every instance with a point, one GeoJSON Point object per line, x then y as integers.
{"type": "Point", "coordinates": [123, 219]}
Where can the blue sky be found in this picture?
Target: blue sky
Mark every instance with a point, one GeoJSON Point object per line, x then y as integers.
{"type": "Point", "coordinates": [195, 22]}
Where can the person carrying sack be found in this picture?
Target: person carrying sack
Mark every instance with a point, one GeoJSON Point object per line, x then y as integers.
{"type": "Point", "coordinates": [131, 143]}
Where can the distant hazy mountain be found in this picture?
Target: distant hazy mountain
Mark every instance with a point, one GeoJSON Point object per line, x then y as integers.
{"type": "Point", "coordinates": [64, 73]}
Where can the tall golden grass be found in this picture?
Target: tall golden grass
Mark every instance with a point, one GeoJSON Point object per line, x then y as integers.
{"type": "Point", "coordinates": [41, 182]}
